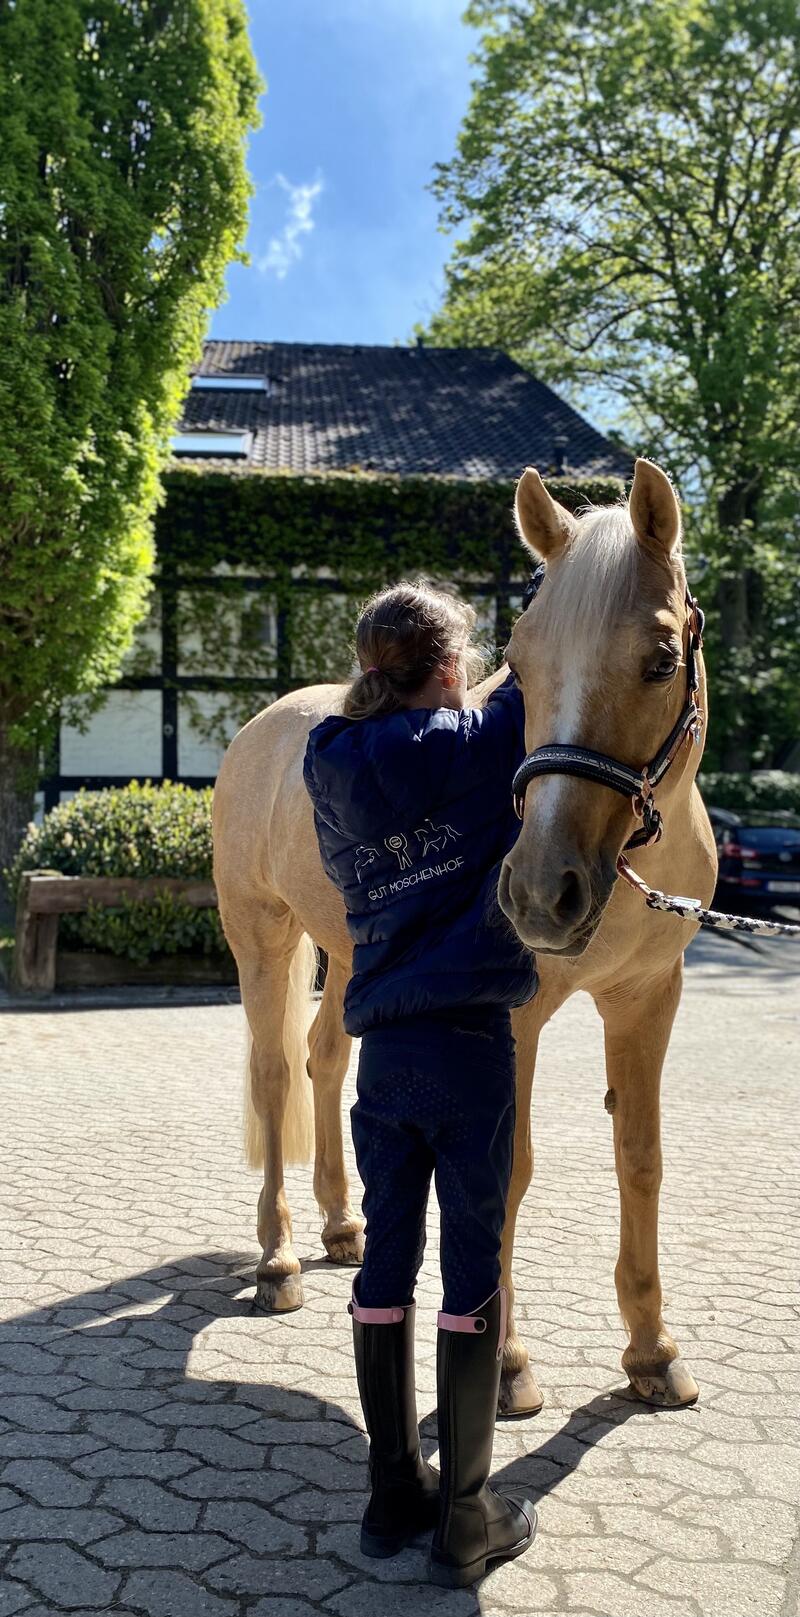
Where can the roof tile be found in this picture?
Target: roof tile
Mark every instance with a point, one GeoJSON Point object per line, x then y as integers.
{"type": "Point", "coordinates": [457, 412]}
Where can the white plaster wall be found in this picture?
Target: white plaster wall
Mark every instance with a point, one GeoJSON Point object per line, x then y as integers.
{"type": "Point", "coordinates": [123, 738]}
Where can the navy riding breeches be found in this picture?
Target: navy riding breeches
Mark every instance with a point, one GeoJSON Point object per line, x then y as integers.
{"type": "Point", "coordinates": [435, 1097]}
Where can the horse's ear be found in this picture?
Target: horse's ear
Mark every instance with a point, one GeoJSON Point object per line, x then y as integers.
{"type": "Point", "coordinates": [544, 525]}
{"type": "Point", "coordinates": [653, 505]}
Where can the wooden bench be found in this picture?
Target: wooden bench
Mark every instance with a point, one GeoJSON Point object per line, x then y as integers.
{"type": "Point", "coordinates": [44, 895]}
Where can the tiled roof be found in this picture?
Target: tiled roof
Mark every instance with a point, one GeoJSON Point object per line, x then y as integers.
{"type": "Point", "coordinates": [457, 412]}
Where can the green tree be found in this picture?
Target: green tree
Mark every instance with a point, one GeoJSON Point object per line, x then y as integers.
{"type": "Point", "coordinates": [629, 172]}
{"type": "Point", "coordinates": [123, 195]}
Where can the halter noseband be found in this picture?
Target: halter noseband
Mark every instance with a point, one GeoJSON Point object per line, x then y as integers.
{"type": "Point", "coordinates": [637, 784]}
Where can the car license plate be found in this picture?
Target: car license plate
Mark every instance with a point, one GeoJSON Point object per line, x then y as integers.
{"type": "Point", "coordinates": [783, 886]}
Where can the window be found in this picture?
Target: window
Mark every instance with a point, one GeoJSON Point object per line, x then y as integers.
{"type": "Point", "coordinates": [230, 384]}
{"type": "Point", "coordinates": [235, 444]}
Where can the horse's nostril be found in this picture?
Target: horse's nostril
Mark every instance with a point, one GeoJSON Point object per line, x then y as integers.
{"type": "Point", "coordinates": [572, 902]}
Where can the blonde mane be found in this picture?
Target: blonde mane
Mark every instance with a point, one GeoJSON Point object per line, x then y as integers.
{"type": "Point", "coordinates": [597, 581]}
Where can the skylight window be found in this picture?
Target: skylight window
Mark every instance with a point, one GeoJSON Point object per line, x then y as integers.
{"type": "Point", "coordinates": [234, 444]}
{"type": "Point", "coordinates": [230, 384]}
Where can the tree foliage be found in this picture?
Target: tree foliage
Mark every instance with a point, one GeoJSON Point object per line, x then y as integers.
{"type": "Point", "coordinates": [628, 174]}
{"type": "Point", "coordinates": [123, 192]}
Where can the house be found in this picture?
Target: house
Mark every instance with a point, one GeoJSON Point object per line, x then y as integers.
{"type": "Point", "coordinates": [344, 429]}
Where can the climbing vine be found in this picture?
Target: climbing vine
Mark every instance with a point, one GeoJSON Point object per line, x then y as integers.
{"type": "Point", "coordinates": [291, 558]}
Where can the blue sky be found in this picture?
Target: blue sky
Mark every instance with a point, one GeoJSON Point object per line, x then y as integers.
{"type": "Point", "coordinates": [364, 96]}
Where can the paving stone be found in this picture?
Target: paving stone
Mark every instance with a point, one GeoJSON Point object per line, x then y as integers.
{"type": "Point", "coordinates": [746, 1524]}
{"type": "Point", "coordinates": [619, 1597]}
{"type": "Point", "coordinates": [13, 1597]}
{"type": "Point", "coordinates": [154, 1508]}
{"type": "Point", "coordinates": [251, 1524]}
{"type": "Point", "coordinates": [47, 1482]}
{"type": "Point", "coordinates": [13, 1386]}
{"type": "Point", "coordinates": [114, 1398]}
{"type": "Point", "coordinates": [311, 1575]}
{"type": "Point", "coordinates": [125, 1431]}
{"type": "Point", "coordinates": [131, 1463]}
{"type": "Point", "coordinates": [219, 1448]}
{"type": "Point", "coordinates": [161, 1593]}
{"type": "Point", "coordinates": [220, 1416]}
{"type": "Point", "coordinates": [519, 1587]}
{"type": "Point", "coordinates": [37, 1521]}
{"type": "Point", "coordinates": [771, 1468]}
{"type": "Point", "coordinates": [64, 1576]}
{"type": "Point", "coordinates": [715, 1588]}
{"type": "Point", "coordinates": [311, 1505]}
{"type": "Point", "coordinates": [279, 1606]}
{"type": "Point", "coordinates": [184, 1408]}
{"type": "Point", "coordinates": [37, 1414]}
{"type": "Point", "coordinates": [320, 1466]}
{"type": "Point", "coordinates": [192, 1551]}
{"type": "Point", "coordinates": [263, 1486]}
{"type": "Point", "coordinates": [407, 1600]}
{"type": "Point", "coordinates": [329, 1434]}
{"type": "Point", "coordinates": [661, 1533]}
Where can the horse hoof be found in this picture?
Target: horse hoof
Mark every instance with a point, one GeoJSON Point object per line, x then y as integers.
{"type": "Point", "coordinates": [346, 1250]}
{"type": "Point", "coordinates": [665, 1386]}
{"type": "Point", "coordinates": [520, 1395]}
{"type": "Point", "coordinates": [281, 1295]}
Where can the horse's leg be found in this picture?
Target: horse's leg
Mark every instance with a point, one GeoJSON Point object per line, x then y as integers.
{"type": "Point", "coordinates": [520, 1393]}
{"type": "Point", "coordinates": [329, 1052]}
{"type": "Point", "coordinates": [264, 980]}
{"type": "Point", "coordinates": [638, 1023]}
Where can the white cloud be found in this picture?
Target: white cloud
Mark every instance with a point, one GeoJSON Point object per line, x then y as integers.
{"type": "Point", "coordinates": [285, 249]}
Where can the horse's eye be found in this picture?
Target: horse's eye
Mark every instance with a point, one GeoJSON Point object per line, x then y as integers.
{"type": "Point", "coordinates": [666, 668]}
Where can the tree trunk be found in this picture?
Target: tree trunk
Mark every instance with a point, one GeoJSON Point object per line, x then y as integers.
{"type": "Point", "coordinates": [734, 618]}
{"type": "Point", "coordinates": [737, 603]}
{"type": "Point", "coordinates": [17, 786]}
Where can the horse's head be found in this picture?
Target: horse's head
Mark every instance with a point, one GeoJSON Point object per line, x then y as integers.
{"type": "Point", "coordinates": [600, 656]}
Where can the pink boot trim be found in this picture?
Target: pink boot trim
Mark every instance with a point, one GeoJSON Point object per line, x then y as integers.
{"type": "Point", "coordinates": [474, 1324]}
{"type": "Point", "coordinates": [374, 1316]}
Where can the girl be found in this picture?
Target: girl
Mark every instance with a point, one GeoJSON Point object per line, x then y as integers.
{"type": "Point", "coordinates": [412, 806]}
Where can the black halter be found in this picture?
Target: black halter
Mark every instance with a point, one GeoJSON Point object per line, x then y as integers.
{"type": "Point", "coordinates": [637, 784]}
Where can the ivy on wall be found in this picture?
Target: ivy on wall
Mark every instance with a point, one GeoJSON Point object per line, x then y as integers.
{"type": "Point", "coordinates": [321, 543]}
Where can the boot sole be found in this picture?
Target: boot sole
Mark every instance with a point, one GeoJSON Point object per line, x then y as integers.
{"type": "Point", "coordinates": [460, 1577]}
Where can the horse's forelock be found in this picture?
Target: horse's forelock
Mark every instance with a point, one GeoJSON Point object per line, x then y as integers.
{"type": "Point", "coordinates": [598, 579]}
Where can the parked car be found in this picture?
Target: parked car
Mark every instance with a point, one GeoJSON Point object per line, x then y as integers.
{"type": "Point", "coordinates": [759, 859]}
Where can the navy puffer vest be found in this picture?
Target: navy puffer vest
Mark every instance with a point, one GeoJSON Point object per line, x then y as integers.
{"type": "Point", "coordinates": [413, 813]}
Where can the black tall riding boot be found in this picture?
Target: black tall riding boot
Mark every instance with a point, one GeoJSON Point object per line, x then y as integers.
{"type": "Point", "coordinates": [477, 1525]}
{"type": "Point", "coordinates": [405, 1490]}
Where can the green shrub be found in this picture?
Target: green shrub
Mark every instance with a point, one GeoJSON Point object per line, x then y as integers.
{"type": "Point", "coordinates": [136, 830]}
{"type": "Point", "coordinates": [767, 789]}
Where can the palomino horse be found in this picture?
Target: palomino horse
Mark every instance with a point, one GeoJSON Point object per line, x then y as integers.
{"type": "Point", "coordinates": [601, 658]}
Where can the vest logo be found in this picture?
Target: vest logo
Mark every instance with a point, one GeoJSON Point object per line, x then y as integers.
{"type": "Point", "coordinates": [365, 856]}
{"type": "Point", "coordinates": [429, 837]}
{"type": "Point", "coordinates": [435, 836]}
{"type": "Point", "coordinates": [415, 877]}
{"type": "Point", "coordinates": [398, 844]}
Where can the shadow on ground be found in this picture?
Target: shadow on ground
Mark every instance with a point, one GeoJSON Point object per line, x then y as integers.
{"type": "Point", "coordinates": [128, 1483]}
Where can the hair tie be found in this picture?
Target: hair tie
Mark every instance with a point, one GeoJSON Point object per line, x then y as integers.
{"type": "Point", "coordinates": [372, 670]}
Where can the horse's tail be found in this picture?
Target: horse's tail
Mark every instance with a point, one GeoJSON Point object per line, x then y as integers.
{"type": "Point", "coordinates": [298, 1119]}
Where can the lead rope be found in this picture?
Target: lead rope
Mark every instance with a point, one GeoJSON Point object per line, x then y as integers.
{"type": "Point", "coordinates": [690, 909]}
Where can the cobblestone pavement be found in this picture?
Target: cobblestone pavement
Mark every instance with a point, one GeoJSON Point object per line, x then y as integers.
{"type": "Point", "coordinates": [164, 1451]}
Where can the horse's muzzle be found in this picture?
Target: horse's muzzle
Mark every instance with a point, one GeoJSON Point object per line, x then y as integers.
{"type": "Point", "coordinates": [555, 910]}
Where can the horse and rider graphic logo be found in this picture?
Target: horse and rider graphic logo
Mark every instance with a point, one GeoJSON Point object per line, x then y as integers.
{"type": "Point", "coordinates": [432, 837]}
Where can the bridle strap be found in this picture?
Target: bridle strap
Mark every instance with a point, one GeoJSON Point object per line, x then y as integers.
{"type": "Point", "coordinates": [584, 763]}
